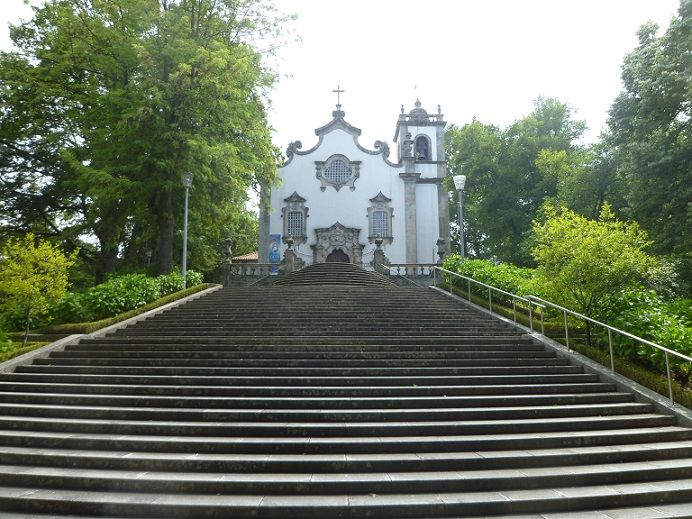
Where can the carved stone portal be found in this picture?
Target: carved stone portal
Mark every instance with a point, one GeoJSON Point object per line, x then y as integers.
{"type": "Point", "coordinates": [337, 237]}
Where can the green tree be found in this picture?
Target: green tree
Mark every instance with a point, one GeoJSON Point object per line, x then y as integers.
{"type": "Point", "coordinates": [123, 96]}
{"type": "Point", "coordinates": [651, 126]}
{"type": "Point", "coordinates": [581, 262]}
{"type": "Point", "coordinates": [32, 276]}
{"type": "Point", "coordinates": [506, 186]}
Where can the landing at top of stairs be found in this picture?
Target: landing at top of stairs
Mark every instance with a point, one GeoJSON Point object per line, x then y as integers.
{"type": "Point", "coordinates": [334, 274]}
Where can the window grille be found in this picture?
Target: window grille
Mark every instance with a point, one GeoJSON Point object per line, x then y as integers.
{"type": "Point", "coordinates": [337, 172]}
{"type": "Point", "coordinates": [380, 223]}
{"type": "Point", "coordinates": [295, 223]}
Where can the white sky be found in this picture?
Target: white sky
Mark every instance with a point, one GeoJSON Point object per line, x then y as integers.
{"type": "Point", "coordinates": [483, 58]}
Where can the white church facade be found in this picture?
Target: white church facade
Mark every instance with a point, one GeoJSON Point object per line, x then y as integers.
{"type": "Point", "coordinates": [336, 198]}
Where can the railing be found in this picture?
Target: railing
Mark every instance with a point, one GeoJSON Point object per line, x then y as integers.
{"type": "Point", "coordinates": [411, 269]}
{"type": "Point", "coordinates": [534, 301]}
{"type": "Point", "coordinates": [610, 330]}
{"type": "Point", "coordinates": [253, 269]}
{"type": "Point", "coordinates": [491, 289]}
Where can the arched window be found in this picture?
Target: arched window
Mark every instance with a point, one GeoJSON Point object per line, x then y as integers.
{"type": "Point", "coordinates": [422, 148]}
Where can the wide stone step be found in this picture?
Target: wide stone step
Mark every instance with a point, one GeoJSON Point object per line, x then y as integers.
{"type": "Point", "coordinates": [443, 416]}
{"type": "Point", "coordinates": [331, 483]}
{"type": "Point", "coordinates": [342, 445]}
{"type": "Point", "coordinates": [319, 392]}
{"type": "Point", "coordinates": [322, 402]}
{"type": "Point", "coordinates": [331, 371]}
{"type": "Point", "coordinates": [323, 342]}
{"type": "Point", "coordinates": [356, 429]}
{"type": "Point", "coordinates": [346, 505]}
{"type": "Point", "coordinates": [302, 363]}
{"type": "Point", "coordinates": [346, 463]}
{"type": "Point", "coordinates": [315, 354]}
{"type": "Point", "coordinates": [420, 380]}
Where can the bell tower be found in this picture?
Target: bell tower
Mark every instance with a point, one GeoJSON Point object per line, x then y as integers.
{"type": "Point", "coordinates": [420, 139]}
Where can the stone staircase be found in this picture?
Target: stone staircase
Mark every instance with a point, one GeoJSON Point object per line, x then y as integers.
{"type": "Point", "coordinates": [330, 394]}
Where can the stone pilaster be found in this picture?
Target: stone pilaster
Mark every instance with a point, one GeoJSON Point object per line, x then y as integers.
{"type": "Point", "coordinates": [411, 226]}
{"type": "Point", "coordinates": [263, 251]}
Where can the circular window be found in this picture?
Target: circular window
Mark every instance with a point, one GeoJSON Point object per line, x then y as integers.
{"type": "Point", "coordinates": [337, 172]}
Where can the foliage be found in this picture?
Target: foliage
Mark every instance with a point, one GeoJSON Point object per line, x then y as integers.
{"type": "Point", "coordinates": [105, 104]}
{"type": "Point", "coordinates": [651, 136]}
{"type": "Point", "coordinates": [119, 294]}
{"type": "Point", "coordinates": [646, 314]}
{"type": "Point", "coordinates": [32, 276]}
{"type": "Point", "coordinates": [90, 327]}
{"type": "Point", "coordinates": [506, 185]}
{"type": "Point", "coordinates": [504, 276]}
{"type": "Point", "coordinates": [581, 262]}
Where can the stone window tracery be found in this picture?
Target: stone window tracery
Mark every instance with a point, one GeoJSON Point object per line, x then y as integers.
{"type": "Point", "coordinates": [337, 171]}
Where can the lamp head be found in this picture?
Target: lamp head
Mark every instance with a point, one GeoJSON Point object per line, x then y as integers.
{"type": "Point", "coordinates": [459, 182]}
{"type": "Point", "coordinates": [187, 180]}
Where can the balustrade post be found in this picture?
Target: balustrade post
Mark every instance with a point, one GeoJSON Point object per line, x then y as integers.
{"type": "Point", "coordinates": [564, 312]}
{"type": "Point", "coordinates": [610, 348]}
{"type": "Point", "coordinates": [670, 380]}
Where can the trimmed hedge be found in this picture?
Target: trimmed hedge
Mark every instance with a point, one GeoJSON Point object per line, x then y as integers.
{"type": "Point", "coordinates": [90, 327]}
{"type": "Point", "coordinates": [117, 295]}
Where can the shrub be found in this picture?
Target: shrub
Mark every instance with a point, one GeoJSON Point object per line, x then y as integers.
{"type": "Point", "coordinates": [169, 283]}
{"type": "Point", "coordinates": [119, 295]}
{"type": "Point", "coordinates": [504, 276]}
{"type": "Point", "coordinates": [644, 313]}
{"type": "Point", "coordinates": [33, 275]}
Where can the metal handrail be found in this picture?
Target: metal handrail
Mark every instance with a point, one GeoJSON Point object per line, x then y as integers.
{"type": "Point", "coordinates": [666, 351]}
{"type": "Point", "coordinates": [491, 288]}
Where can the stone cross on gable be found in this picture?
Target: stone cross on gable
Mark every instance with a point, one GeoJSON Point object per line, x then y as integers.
{"type": "Point", "coordinates": [338, 96]}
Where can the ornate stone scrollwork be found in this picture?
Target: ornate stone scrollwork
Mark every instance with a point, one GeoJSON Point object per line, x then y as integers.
{"type": "Point", "coordinates": [292, 147]}
{"type": "Point", "coordinates": [338, 237]}
{"type": "Point", "coordinates": [381, 145]}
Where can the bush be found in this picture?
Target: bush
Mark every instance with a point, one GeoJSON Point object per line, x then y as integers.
{"type": "Point", "coordinates": [504, 276]}
{"type": "Point", "coordinates": [170, 283]}
{"type": "Point", "coordinates": [117, 295]}
{"type": "Point", "coordinates": [644, 313]}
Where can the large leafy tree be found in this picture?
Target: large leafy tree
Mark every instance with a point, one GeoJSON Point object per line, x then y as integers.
{"type": "Point", "coordinates": [107, 103]}
{"type": "Point", "coordinates": [506, 181]}
{"type": "Point", "coordinates": [651, 126]}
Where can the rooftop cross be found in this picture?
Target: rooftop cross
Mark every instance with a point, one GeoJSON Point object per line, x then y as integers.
{"type": "Point", "coordinates": [338, 96]}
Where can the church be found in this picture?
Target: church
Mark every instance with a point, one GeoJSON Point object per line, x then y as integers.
{"type": "Point", "coordinates": [337, 198]}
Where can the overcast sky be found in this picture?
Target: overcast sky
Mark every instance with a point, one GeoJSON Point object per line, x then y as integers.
{"type": "Point", "coordinates": [484, 58]}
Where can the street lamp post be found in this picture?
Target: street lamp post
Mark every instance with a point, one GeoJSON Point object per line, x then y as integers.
{"type": "Point", "coordinates": [459, 181]}
{"type": "Point", "coordinates": [187, 182]}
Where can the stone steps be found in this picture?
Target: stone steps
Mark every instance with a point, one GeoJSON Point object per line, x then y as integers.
{"type": "Point", "coordinates": [336, 399]}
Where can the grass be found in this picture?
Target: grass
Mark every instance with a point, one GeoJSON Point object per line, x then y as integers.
{"type": "Point", "coordinates": [11, 349]}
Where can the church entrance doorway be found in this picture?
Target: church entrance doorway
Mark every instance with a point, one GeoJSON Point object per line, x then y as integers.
{"type": "Point", "coordinates": [337, 243]}
{"type": "Point", "coordinates": [337, 256]}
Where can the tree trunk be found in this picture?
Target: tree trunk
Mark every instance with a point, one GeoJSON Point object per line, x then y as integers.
{"type": "Point", "coordinates": [105, 262]}
{"type": "Point", "coordinates": [166, 222]}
